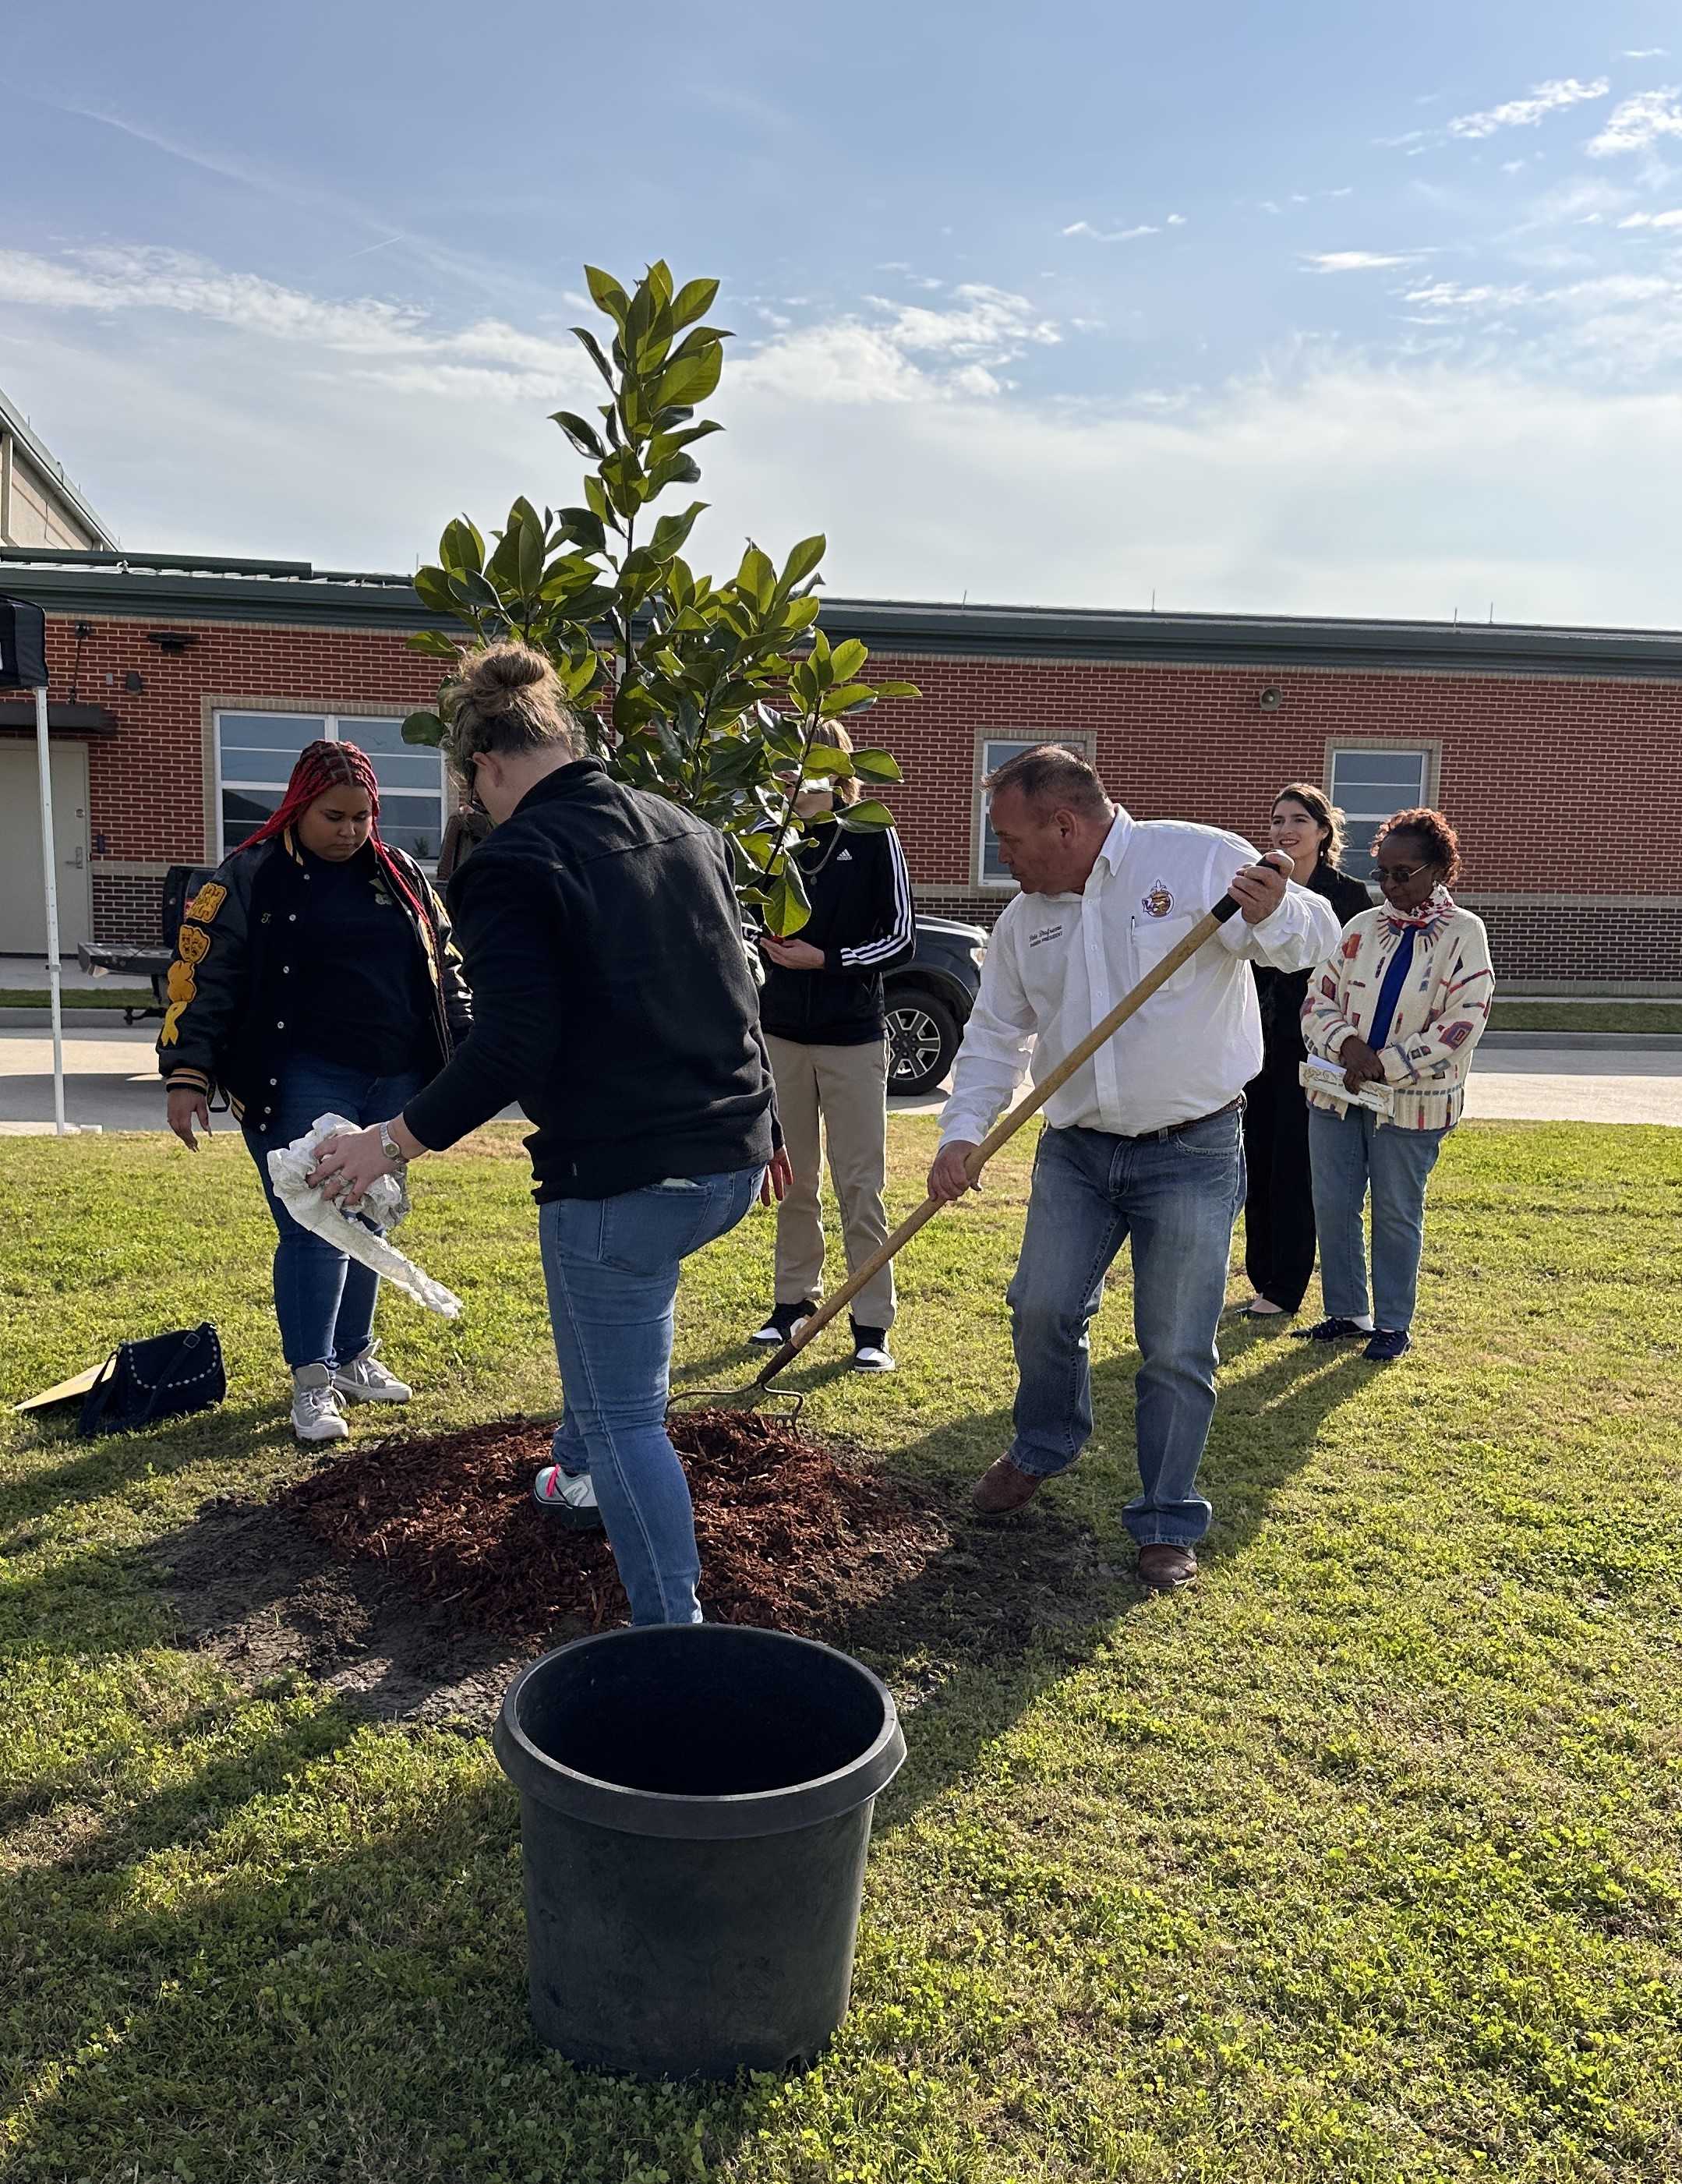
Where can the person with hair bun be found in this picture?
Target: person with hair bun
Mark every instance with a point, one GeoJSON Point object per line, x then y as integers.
{"type": "Point", "coordinates": [1401, 1007]}
{"type": "Point", "coordinates": [1278, 1204]}
{"type": "Point", "coordinates": [315, 974]}
{"type": "Point", "coordinates": [615, 1001]}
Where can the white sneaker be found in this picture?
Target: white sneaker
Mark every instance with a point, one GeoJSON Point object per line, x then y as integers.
{"type": "Point", "coordinates": [569, 1496]}
{"type": "Point", "coordinates": [366, 1380]}
{"type": "Point", "coordinates": [316, 1413]}
{"type": "Point", "coordinates": [870, 1353]}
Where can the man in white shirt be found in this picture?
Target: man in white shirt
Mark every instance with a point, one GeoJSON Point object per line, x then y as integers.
{"type": "Point", "coordinates": [1144, 1141]}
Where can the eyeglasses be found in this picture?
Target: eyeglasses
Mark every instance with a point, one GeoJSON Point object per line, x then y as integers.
{"type": "Point", "coordinates": [1393, 876]}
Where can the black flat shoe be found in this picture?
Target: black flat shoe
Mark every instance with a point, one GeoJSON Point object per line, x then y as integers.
{"type": "Point", "coordinates": [1333, 1330]}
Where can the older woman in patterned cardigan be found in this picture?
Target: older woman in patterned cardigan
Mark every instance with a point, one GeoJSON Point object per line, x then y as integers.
{"type": "Point", "coordinates": [1401, 1007]}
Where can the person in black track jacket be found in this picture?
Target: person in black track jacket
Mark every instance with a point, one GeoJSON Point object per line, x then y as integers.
{"type": "Point", "coordinates": [825, 1031]}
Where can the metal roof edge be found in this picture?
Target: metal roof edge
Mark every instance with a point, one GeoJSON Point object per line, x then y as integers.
{"type": "Point", "coordinates": [44, 460]}
{"type": "Point", "coordinates": [1255, 641]}
{"type": "Point", "coordinates": [212, 588]}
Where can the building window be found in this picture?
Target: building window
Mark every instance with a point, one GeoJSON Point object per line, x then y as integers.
{"type": "Point", "coordinates": [1368, 785]}
{"type": "Point", "coordinates": [256, 752]}
{"type": "Point", "coordinates": [997, 751]}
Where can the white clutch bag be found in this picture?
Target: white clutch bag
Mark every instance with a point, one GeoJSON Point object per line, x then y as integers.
{"type": "Point", "coordinates": [1325, 1077]}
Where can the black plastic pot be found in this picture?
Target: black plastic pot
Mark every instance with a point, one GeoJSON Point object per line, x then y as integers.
{"type": "Point", "coordinates": [694, 1809]}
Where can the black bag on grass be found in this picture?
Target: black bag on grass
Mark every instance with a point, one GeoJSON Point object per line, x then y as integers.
{"type": "Point", "coordinates": [163, 1377]}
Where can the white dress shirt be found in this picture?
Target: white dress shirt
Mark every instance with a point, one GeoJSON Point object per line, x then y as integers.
{"type": "Point", "coordinates": [1057, 964]}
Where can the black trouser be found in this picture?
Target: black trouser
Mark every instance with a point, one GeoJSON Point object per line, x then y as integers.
{"type": "Point", "coordinates": [1279, 1208]}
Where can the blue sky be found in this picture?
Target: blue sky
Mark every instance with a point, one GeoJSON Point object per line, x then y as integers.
{"type": "Point", "coordinates": [1312, 308]}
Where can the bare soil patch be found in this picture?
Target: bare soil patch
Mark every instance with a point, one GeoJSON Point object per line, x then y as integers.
{"type": "Point", "coordinates": [413, 1575]}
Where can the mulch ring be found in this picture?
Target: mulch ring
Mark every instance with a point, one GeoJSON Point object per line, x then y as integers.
{"type": "Point", "coordinates": [793, 1535]}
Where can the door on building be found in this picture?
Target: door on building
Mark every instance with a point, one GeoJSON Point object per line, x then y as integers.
{"type": "Point", "coordinates": [23, 913]}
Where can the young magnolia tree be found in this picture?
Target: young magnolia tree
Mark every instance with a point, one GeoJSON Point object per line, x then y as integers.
{"type": "Point", "coordinates": [710, 694]}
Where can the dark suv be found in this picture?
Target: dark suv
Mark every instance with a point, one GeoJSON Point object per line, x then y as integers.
{"type": "Point", "coordinates": [929, 1002]}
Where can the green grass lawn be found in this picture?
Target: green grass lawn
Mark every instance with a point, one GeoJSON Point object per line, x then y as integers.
{"type": "Point", "coordinates": [1611, 1015]}
{"type": "Point", "coordinates": [79, 997]}
{"type": "Point", "coordinates": [1358, 1862]}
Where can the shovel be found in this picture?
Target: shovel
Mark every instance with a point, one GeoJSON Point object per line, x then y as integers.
{"type": "Point", "coordinates": [1007, 1128]}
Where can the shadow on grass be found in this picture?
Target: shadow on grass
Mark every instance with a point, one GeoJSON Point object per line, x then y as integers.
{"type": "Point", "coordinates": [307, 2009]}
{"type": "Point", "coordinates": [102, 1466]}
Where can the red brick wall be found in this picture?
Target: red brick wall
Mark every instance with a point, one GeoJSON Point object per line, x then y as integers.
{"type": "Point", "coordinates": [1555, 786]}
{"type": "Point", "coordinates": [146, 788]}
{"type": "Point", "coordinates": [1558, 786]}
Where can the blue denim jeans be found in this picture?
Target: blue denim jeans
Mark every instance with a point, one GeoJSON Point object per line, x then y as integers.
{"type": "Point", "coordinates": [1176, 1198]}
{"type": "Point", "coordinates": [1349, 1151]}
{"type": "Point", "coordinates": [610, 1266]}
{"type": "Point", "coordinates": [323, 1299]}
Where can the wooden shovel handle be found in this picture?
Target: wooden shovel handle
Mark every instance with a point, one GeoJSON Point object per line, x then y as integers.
{"type": "Point", "coordinates": [1004, 1129]}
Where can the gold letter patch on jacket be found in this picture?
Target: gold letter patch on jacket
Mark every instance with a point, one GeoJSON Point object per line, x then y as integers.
{"type": "Point", "coordinates": [206, 902]}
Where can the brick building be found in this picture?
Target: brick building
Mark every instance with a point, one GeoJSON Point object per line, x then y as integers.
{"type": "Point", "coordinates": [182, 688]}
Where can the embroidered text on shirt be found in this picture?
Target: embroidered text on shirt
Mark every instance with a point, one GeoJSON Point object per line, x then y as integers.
{"type": "Point", "coordinates": [1045, 933]}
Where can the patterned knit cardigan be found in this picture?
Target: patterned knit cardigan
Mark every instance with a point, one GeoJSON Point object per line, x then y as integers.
{"type": "Point", "coordinates": [1441, 1013]}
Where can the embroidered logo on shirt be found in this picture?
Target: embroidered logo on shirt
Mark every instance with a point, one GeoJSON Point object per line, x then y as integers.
{"type": "Point", "coordinates": [845, 857]}
{"type": "Point", "coordinates": [1045, 933]}
{"type": "Point", "coordinates": [1159, 902]}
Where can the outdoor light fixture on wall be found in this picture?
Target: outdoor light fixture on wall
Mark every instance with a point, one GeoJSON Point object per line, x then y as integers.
{"type": "Point", "coordinates": [1269, 700]}
{"type": "Point", "coordinates": [171, 640]}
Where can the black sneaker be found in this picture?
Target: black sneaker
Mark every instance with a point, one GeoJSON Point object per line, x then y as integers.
{"type": "Point", "coordinates": [784, 1319]}
{"type": "Point", "coordinates": [870, 1353]}
{"type": "Point", "coordinates": [1332, 1330]}
{"type": "Point", "coordinates": [1387, 1344]}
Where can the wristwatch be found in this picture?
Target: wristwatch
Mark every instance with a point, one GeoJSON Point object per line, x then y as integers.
{"type": "Point", "coordinates": [388, 1146]}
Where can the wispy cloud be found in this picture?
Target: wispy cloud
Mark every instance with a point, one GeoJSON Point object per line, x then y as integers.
{"type": "Point", "coordinates": [1115, 235]}
{"type": "Point", "coordinates": [1639, 123]}
{"type": "Point", "coordinates": [383, 338]}
{"type": "Point", "coordinates": [1543, 99]}
{"type": "Point", "coordinates": [1661, 220]}
{"type": "Point", "coordinates": [913, 353]}
{"type": "Point", "coordinates": [1356, 261]}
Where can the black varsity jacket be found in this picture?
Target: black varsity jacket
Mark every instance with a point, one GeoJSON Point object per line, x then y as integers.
{"type": "Point", "coordinates": [226, 1021]}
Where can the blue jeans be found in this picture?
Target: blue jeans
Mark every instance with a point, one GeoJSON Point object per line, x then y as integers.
{"type": "Point", "coordinates": [1176, 1197]}
{"type": "Point", "coordinates": [323, 1299]}
{"type": "Point", "coordinates": [1348, 1152]}
{"type": "Point", "coordinates": [611, 1267]}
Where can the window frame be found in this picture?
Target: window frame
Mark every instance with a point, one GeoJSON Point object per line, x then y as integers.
{"type": "Point", "coordinates": [340, 720]}
{"type": "Point", "coordinates": [1429, 748]}
{"type": "Point", "coordinates": [982, 881]}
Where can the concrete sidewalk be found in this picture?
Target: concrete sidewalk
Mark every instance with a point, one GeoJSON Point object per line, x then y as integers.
{"type": "Point", "coordinates": [111, 1083]}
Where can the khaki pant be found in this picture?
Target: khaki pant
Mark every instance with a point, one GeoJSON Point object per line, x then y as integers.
{"type": "Point", "coordinates": [846, 1087]}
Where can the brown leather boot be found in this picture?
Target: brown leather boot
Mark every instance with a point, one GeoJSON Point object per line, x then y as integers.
{"type": "Point", "coordinates": [1167, 1568]}
{"type": "Point", "coordinates": [1002, 1488]}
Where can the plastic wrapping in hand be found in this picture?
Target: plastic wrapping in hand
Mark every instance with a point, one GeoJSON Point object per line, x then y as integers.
{"type": "Point", "coordinates": [363, 1233]}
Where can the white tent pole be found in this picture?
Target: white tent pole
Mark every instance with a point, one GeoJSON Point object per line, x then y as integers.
{"type": "Point", "coordinates": [49, 866]}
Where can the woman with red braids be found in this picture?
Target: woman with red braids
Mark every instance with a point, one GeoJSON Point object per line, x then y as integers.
{"type": "Point", "coordinates": [314, 973]}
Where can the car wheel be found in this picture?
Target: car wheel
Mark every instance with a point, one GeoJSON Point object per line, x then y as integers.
{"type": "Point", "coordinates": [922, 1039]}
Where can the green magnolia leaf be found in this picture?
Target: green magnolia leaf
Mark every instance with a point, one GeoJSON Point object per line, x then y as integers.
{"type": "Point", "coordinates": [607, 294]}
{"type": "Point", "coordinates": [592, 349]}
{"type": "Point", "coordinates": [690, 379]}
{"type": "Point", "coordinates": [577, 676]}
{"type": "Point", "coordinates": [461, 548]}
{"type": "Point", "coordinates": [850, 697]}
{"type": "Point", "coordinates": [585, 527]}
{"type": "Point", "coordinates": [787, 906]}
{"type": "Point", "coordinates": [424, 728]}
{"type": "Point", "coordinates": [757, 578]}
{"type": "Point", "coordinates": [431, 588]}
{"type": "Point", "coordinates": [583, 436]}
{"type": "Point", "coordinates": [847, 659]}
{"type": "Point", "coordinates": [824, 762]}
{"type": "Point", "coordinates": [867, 817]}
{"type": "Point", "coordinates": [435, 643]}
{"type": "Point", "coordinates": [803, 560]}
{"type": "Point", "coordinates": [877, 766]}
{"type": "Point", "coordinates": [676, 469]}
{"type": "Point", "coordinates": [470, 588]}
{"type": "Point", "coordinates": [693, 301]}
{"type": "Point", "coordinates": [898, 690]}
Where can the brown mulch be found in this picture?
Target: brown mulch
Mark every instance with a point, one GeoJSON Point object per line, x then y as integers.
{"type": "Point", "coordinates": [793, 1535]}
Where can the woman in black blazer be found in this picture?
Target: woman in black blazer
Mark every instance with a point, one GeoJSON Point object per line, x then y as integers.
{"type": "Point", "coordinates": [1279, 1209]}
